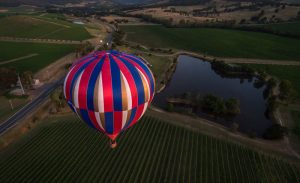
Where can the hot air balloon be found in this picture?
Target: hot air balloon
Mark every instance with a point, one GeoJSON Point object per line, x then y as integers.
{"type": "Point", "coordinates": [109, 90]}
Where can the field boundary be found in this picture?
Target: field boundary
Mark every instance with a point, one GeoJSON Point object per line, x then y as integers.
{"type": "Point", "coordinates": [38, 40]}
{"type": "Point", "coordinates": [19, 58]}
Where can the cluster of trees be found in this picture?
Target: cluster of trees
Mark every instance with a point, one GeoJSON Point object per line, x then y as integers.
{"type": "Point", "coordinates": [227, 70]}
{"type": "Point", "coordinates": [219, 106]}
{"type": "Point", "coordinates": [276, 131]}
{"type": "Point", "coordinates": [8, 78]}
{"type": "Point", "coordinates": [287, 92]}
{"type": "Point", "coordinates": [84, 49]}
{"type": "Point", "coordinates": [117, 37]}
{"type": "Point", "coordinates": [210, 104]}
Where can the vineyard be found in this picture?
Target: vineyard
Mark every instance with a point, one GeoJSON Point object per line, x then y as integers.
{"type": "Point", "coordinates": [152, 151]}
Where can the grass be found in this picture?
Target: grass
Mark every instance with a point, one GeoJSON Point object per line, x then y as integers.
{"type": "Point", "coordinates": [41, 27]}
{"type": "Point", "coordinates": [216, 42]}
{"type": "Point", "coordinates": [47, 53]}
{"type": "Point", "coordinates": [292, 28]}
{"type": "Point", "coordinates": [5, 108]}
{"type": "Point", "coordinates": [291, 73]}
{"type": "Point", "coordinates": [152, 151]}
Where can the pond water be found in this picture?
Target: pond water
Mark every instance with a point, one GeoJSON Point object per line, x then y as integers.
{"type": "Point", "coordinates": [196, 76]}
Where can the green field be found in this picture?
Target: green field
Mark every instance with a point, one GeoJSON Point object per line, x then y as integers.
{"type": "Point", "coordinates": [291, 73]}
{"type": "Point", "coordinates": [292, 28]}
{"type": "Point", "coordinates": [47, 53]}
{"type": "Point", "coordinates": [152, 151]}
{"type": "Point", "coordinates": [41, 27]}
{"type": "Point", "coordinates": [216, 42]}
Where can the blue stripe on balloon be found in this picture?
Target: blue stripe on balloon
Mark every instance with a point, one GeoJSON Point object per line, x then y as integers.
{"type": "Point", "coordinates": [77, 75]}
{"type": "Point", "coordinates": [116, 84]}
{"type": "Point", "coordinates": [137, 79]}
{"type": "Point", "coordinates": [85, 116]}
{"type": "Point", "coordinates": [145, 68]}
{"type": "Point", "coordinates": [109, 122]}
{"type": "Point", "coordinates": [92, 84]}
{"type": "Point", "coordinates": [133, 112]}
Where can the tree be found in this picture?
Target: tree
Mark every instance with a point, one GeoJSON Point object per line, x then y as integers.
{"type": "Point", "coordinates": [232, 106]}
{"type": "Point", "coordinates": [286, 90]}
{"type": "Point", "coordinates": [27, 79]}
{"type": "Point", "coordinates": [276, 131]}
{"type": "Point", "coordinates": [8, 77]}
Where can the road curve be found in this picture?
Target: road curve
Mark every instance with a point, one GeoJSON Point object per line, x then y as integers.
{"type": "Point", "coordinates": [22, 113]}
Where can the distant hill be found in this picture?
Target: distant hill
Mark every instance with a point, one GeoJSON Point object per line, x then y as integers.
{"type": "Point", "coordinates": [35, 2]}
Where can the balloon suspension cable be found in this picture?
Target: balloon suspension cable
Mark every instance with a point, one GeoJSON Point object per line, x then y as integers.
{"type": "Point", "coordinates": [113, 143]}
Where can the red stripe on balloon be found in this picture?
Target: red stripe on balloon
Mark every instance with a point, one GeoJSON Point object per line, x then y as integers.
{"type": "Point", "coordinates": [107, 82]}
{"type": "Point", "coordinates": [138, 114]}
{"type": "Point", "coordinates": [84, 83]}
{"type": "Point", "coordinates": [71, 77]}
{"type": "Point", "coordinates": [140, 68]}
{"type": "Point", "coordinates": [130, 80]}
{"type": "Point", "coordinates": [94, 120]}
{"type": "Point", "coordinates": [117, 122]}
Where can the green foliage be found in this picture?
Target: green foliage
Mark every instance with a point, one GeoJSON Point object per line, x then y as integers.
{"type": "Point", "coordinates": [276, 131]}
{"type": "Point", "coordinates": [282, 72]}
{"type": "Point", "coordinates": [233, 43]}
{"type": "Point", "coordinates": [151, 151]}
{"type": "Point", "coordinates": [8, 77]}
{"type": "Point", "coordinates": [286, 90]}
{"type": "Point", "coordinates": [218, 106]}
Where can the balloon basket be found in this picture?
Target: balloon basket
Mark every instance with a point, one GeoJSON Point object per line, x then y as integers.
{"type": "Point", "coordinates": [113, 144]}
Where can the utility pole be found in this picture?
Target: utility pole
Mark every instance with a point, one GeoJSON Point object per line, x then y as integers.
{"type": "Point", "coordinates": [11, 104]}
{"type": "Point", "coordinates": [19, 79]}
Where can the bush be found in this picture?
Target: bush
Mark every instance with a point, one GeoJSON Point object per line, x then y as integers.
{"type": "Point", "coordinates": [276, 131]}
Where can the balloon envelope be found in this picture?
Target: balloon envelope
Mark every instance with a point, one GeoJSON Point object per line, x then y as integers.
{"type": "Point", "coordinates": [109, 90]}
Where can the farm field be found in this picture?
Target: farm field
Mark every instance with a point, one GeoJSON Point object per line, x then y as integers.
{"type": "Point", "coordinates": [41, 27]}
{"type": "Point", "coordinates": [282, 72]}
{"type": "Point", "coordinates": [216, 42]}
{"type": "Point", "coordinates": [66, 150]}
{"type": "Point", "coordinates": [288, 27]}
{"type": "Point", "coordinates": [46, 54]}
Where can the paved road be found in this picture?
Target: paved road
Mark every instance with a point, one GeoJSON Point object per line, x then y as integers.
{"type": "Point", "coordinates": [16, 118]}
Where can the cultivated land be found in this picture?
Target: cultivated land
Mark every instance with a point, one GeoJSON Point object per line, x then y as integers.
{"type": "Point", "coordinates": [216, 42]}
{"type": "Point", "coordinates": [41, 27]}
{"type": "Point", "coordinates": [46, 54]}
{"type": "Point", "coordinates": [66, 150]}
{"type": "Point", "coordinates": [292, 28]}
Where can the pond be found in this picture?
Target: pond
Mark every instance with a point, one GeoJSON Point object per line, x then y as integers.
{"type": "Point", "coordinates": [196, 76]}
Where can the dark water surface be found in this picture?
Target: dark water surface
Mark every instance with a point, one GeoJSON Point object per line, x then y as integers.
{"type": "Point", "coordinates": [196, 76]}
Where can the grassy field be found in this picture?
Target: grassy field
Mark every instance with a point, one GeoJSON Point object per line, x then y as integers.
{"type": "Point", "coordinates": [47, 53]}
{"type": "Point", "coordinates": [41, 27]}
{"type": "Point", "coordinates": [152, 151]}
{"type": "Point", "coordinates": [217, 42]}
{"type": "Point", "coordinates": [291, 73]}
{"type": "Point", "coordinates": [289, 27]}
{"type": "Point", "coordinates": [5, 108]}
